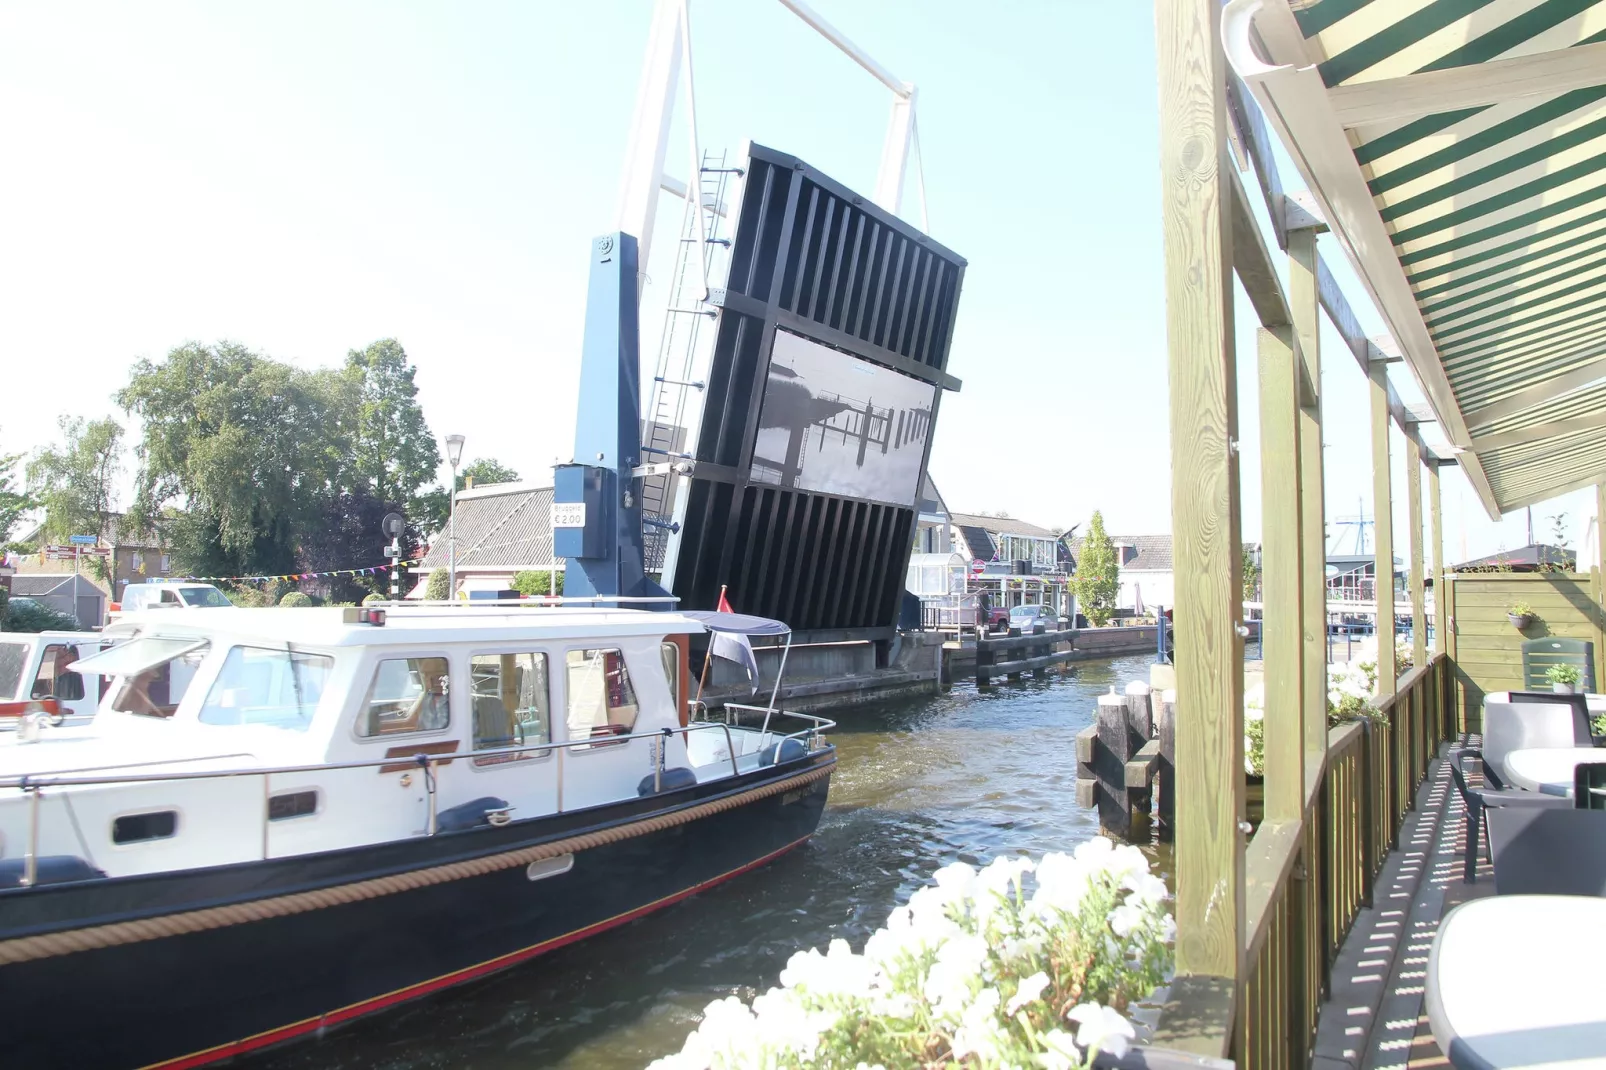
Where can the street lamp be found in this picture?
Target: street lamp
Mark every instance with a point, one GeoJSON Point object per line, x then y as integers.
{"type": "Point", "coordinates": [454, 457]}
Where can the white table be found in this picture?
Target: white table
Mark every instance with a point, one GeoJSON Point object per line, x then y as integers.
{"type": "Point", "coordinates": [1514, 981]}
{"type": "Point", "coordinates": [1548, 769]}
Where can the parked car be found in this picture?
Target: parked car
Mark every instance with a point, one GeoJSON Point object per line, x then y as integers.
{"type": "Point", "coordinates": [1027, 617]}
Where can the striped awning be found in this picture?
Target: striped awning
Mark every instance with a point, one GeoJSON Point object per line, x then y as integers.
{"type": "Point", "coordinates": [1457, 149]}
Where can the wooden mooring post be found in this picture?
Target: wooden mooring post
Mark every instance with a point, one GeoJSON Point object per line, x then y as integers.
{"type": "Point", "coordinates": [1118, 759]}
{"type": "Point", "coordinates": [1032, 653]}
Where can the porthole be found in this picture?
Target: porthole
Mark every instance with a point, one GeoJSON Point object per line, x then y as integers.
{"type": "Point", "coordinates": [292, 804]}
{"type": "Point", "coordinates": [137, 828]}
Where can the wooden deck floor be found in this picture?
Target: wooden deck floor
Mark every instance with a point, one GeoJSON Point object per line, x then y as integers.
{"type": "Point", "coordinates": [1373, 1018]}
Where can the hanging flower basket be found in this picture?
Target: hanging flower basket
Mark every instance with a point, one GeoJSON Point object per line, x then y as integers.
{"type": "Point", "coordinates": [1520, 621]}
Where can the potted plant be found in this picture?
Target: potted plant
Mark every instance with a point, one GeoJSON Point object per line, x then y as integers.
{"type": "Point", "coordinates": [1563, 678]}
{"type": "Point", "coordinates": [1520, 614]}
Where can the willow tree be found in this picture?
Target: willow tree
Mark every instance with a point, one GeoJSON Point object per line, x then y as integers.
{"type": "Point", "coordinates": [1097, 582]}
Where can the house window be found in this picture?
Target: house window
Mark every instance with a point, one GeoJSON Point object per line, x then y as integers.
{"type": "Point", "coordinates": [167, 563]}
{"type": "Point", "coordinates": [407, 695]}
{"type": "Point", "coordinates": [601, 700]}
{"type": "Point", "coordinates": [509, 697]}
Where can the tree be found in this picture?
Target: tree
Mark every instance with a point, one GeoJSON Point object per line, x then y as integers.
{"type": "Point", "coordinates": [484, 471]}
{"type": "Point", "coordinates": [1251, 571]}
{"type": "Point", "coordinates": [393, 452]}
{"type": "Point", "coordinates": [246, 444]}
{"type": "Point", "coordinates": [14, 502]}
{"type": "Point", "coordinates": [1097, 583]}
{"type": "Point", "coordinates": [76, 480]}
{"type": "Point", "coordinates": [342, 533]}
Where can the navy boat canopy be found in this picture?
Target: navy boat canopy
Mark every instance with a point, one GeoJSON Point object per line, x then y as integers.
{"type": "Point", "coordinates": [736, 623]}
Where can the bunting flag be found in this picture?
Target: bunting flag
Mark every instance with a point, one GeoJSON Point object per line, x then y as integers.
{"type": "Point", "coordinates": [371, 570]}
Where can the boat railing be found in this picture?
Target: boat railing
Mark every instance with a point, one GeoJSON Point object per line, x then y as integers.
{"type": "Point", "coordinates": [36, 785]}
{"type": "Point", "coordinates": [810, 735]}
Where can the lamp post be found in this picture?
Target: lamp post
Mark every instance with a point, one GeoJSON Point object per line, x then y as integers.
{"type": "Point", "coordinates": [454, 457]}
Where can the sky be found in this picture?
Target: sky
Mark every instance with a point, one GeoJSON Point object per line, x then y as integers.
{"type": "Point", "coordinates": [306, 178]}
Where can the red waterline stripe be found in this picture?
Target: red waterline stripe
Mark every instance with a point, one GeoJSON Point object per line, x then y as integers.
{"type": "Point", "coordinates": [467, 973]}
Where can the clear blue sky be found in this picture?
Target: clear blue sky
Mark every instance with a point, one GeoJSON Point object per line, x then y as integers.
{"type": "Point", "coordinates": [305, 178]}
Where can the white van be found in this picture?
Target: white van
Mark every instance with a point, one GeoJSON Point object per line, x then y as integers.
{"type": "Point", "coordinates": [138, 596]}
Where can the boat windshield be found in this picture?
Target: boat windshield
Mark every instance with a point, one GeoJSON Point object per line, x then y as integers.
{"type": "Point", "coordinates": [154, 672]}
{"type": "Point", "coordinates": [267, 686]}
{"type": "Point", "coordinates": [13, 657]}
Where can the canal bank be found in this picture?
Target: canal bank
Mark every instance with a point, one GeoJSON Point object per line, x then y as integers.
{"type": "Point", "coordinates": [921, 782]}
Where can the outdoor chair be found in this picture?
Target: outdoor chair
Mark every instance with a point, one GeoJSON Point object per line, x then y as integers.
{"type": "Point", "coordinates": [1548, 851]}
{"type": "Point", "coordinates": [1480, 800]}
{"type": "Point", "coordinates": [1538, 655]}
{"type": "Point", "coordinates": [1519, 720]}
{"type": "Point", "coordinates": [1589, 785]}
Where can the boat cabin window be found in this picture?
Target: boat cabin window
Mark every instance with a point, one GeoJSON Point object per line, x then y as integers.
{"type": "Point", "coordinates": [13, 658]}
{"type": "Point", "coordinates": [158, 673]}
{"type": "Point", "coordinates": [136, 828]}
{"type": "Point", "coordinates": [53, 668]}
{"type": "Point", "coordinates": [510, 704]}
{"type": "Point", "coordinates": [261, 685]}
{"type": "Point", "coordinates": [601, 701]}
{"type": "Point", "coordinates": [407, 695]}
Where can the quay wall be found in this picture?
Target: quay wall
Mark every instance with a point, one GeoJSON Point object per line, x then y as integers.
{"type": "Point", "coordinates": [1090, 643]}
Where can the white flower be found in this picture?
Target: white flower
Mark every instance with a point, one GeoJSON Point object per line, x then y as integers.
{"type": "Point", "coordinates": [959, 963]}
{"type": "Point", "coordinates": [1061, 883]}
{"type": "Point", "coordinates": [1101, 1027]}
{"type": "Point", "coordinates": [978, 1027]}
{"type": "Point", "coordinates": [1126, 918]}
{"type": "Point", "coordinates": [1060, 1051]}
{"type": "Point", "coordinates": [1015, 948]}
{"type": "Point", "coordinates": [783, 1022]}
{"type": "Point", "coordinates": [1027, 992]}
{"type": "Point", "coordinates": [1146, 889]}
{"type": "Point", "coordinates": [1002, 873]}
{"type": "Point", "coordinates": [839, 972]}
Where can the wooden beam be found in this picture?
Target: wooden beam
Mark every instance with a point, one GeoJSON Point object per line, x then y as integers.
{"type": "Point", "coordinates": [1441, 621]}
{"type": "Point", "coordinates": [1282, 551]}
{"type": "Point", "coordinates": [1383, 531]}
{"type": "Point", "coordinates": [1544, 390]}
{"type": "Point", "coordinates": [1196, 224]}
{"type": "Point", "coordinates": [1474, 85]}
{"type": "Point", "coordinates": [1252, 134]}
{"type": "Point", "coordinates": [1552, 429]}
{"type": "Point", "coordinates": [1419, 613]}
{"type": "Point", "coordinates": [1303, 299]}
{"type": "Point", "coordinates": [1252, 260]}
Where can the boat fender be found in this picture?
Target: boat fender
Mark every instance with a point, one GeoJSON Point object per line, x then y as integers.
{"type": "Point", "coordinates": [672, 779]}
{"type": "Point", "coordinates": [472, 814]}
{"type": "Point", "coordinates": [50, 869]}
{"type": "Point", "coordinates": [790, 751]}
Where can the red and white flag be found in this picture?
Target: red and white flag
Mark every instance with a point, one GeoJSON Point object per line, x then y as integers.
{"type": "Point", "coordinates": [734, 646]}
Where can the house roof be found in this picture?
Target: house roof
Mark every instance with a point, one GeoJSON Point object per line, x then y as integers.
{"type": "Point", "coordinates": [931, 498]}
{"type": "Point", "coordinates": [40, 584]}
{"type": "Point", "coordinates": [502, 525]}
{"type": "Point", "coordinates": [1150, 553]}
{"type": "Point", "coordinates": [999, 525]}
{"type": "Point", "coordinates": [1525, 559]}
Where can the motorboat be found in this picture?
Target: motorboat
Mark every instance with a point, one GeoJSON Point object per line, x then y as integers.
{"type": "Point", "coordinates": [282, 819]}
{"type": "Point", "coordinates": [36, 678]}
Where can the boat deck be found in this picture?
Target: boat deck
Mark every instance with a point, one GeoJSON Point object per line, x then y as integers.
{"type": "Point", "coordinates": [1374, 1015]}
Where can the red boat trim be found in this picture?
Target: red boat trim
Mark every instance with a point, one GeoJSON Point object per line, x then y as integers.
{"type": "Point", "coordinates": [467, 973]}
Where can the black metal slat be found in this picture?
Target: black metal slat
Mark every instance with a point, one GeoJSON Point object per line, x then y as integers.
{"type": "Point", "coordinates": [914, 328]}
{"type": "Point", "coordinates": [826, 579]}
{"type": "Point", "coordinates": [867, 579]}
{"type": "Point", "coordinates": [903, 298]}
{"type": "Point", "coordinates": [892, 246]}
{"type": "Point", "coordinates": [786, 567]}
{"type": "Point", "coordinates": [795, 265]}
{"type": "Point", "coordinates": [838, 246]}
{"type": "Point", "coordinates": [821, 250]}
{"type": "Point", "coordinates": [809, 559]}
{"type": "Point", "coordinates": [861, 293]}
{"type": "Point", "coordinates": [768, 537]}
{"type": "Point", "coordinates": [848, 537]}
{"type": "Point", "coordinates": [903, 535]}
{"type": "Point", "coordinates": [930, 301]}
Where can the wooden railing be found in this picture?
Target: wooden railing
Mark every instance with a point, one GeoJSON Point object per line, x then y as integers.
{"type": "Point", "coordinates": [1307, 880]}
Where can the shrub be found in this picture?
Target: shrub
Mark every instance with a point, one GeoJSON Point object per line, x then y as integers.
{"type": "Point", "coordinates": [1563, 674]}
{"type": "Point", "coordinates": [1521, 609]}
{"type": "Point", "coordinates": [439, 587]}
{"type": "Point", "coordinates": [295, 599]}
{"type": "Point", "coordinates": [249, 597]}
{"type": "Point", "coordinates": [1020, 964]}
{"type": "Point", "coordinates": [371, 599]}
{"type": "Point", "coordinates": [27, 615]}
{"type": "Point", "coordinates": [533, 582]}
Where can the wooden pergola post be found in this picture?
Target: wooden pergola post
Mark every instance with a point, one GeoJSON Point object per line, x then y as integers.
{"type": "Point", "coordinates": [1282, 622]}
{"type": "Point", "coordinates": [1382, 530]}
{"type": "Point", "coordinates": [1305, 305]}
{"type": "Point", "coordinates": [1195, 214]}
{"type": "Point", "coordinates": [1441, 620]}
{"type": "Point", "coordinates": [1419, 612]}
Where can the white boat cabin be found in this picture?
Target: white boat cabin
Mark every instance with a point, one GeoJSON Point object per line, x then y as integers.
{"type": "Point", "coordinates": [373, 732]}
{"type": "Point", "coordinates": [34, 669]}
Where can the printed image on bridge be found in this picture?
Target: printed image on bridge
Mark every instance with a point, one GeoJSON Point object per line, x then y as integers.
{"type": "Point", "coordinates": [840, 425]}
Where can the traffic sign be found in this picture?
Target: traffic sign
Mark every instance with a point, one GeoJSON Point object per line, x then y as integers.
{"type": "Point", "coordinates": [82, 540]}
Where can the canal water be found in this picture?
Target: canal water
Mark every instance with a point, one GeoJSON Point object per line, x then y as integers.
{"type": "Point", "coordinates": [919, 783]}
